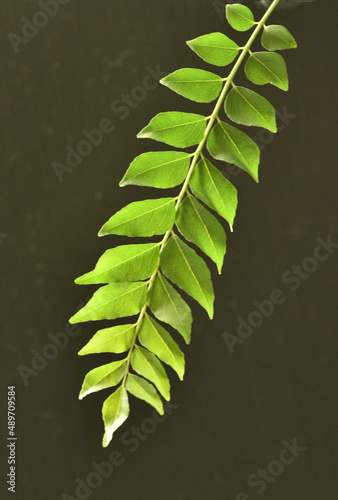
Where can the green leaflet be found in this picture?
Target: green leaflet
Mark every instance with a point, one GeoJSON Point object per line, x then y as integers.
{"type": "Point", "coordinates": [175, 128]}
{"type": "Point", "coordinates": [195, 84]}
{"type": "Point", "coordinates": [145, 363]}
{"type": "Point", "coordinates": [155, 338]}
{"type": "Point", "coordinates": [245, 107]}
{"type": "Point", "coordinates": [123, 263]}
{"type": "Point", "coordinates": [240, 17]}
{"type": "Point", "coordinates": [200, 227]}
{"type": "Point", "coordinates": [168, 306]}
{"type": "Point", "coordinates": [267, 67]}
{"type": "Point", "coordinates": [159, 169]}
{"type": "Point", "coordinates": [277, 37]}
{"type": "Point", "coordinates": [112, 301]}
{"type": "Point", "coordinates": [141, 389]}
{"type": "Point", "coordinates": [229, 144]}
{"type": "Point", "coordinates": [116, 339]}
{"type": "Point", "coordinates": [115, 411]}
{"type": "Point", "coordinates": [142, 218]}
{"type": "Point", "coordinates": [185, 268]}
{"type": "Point", "coordinates": [170, 260]}
{"type": "Point", "coordinates": [215, 48]}
{"type": "Point", "coordinates": [210, 186]}
{"type": "Point", "coordinates": [103, 377]}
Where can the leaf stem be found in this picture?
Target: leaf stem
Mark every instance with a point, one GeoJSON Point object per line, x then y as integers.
{"type": "Point", "coordinates": [195, 156]}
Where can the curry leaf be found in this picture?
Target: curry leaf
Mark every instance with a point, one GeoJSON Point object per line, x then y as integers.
{"type": "Point", "coordinates": [145, 363]}
{"type": "Point", "coordinates": [103, 377]}
{"type": "Point", "coordinates": [116, 339]}
{"type": "Point", "coordinates": [200, 227]}
{"type": "Point", "coordinates": [245, 107]}
{"type": "Point", "coordinates": [155, 338]}
{"type": "Point", "coordinates": [123, 263]}
{"type": "Point", "coordinates": [160, 169]}
{"type": "Point", "coordinates": [267, 67]}
{"type": "Point", "coordinates": [168, 306]}
{"type": "Point", "coordinates": [229, 144]}
{"type": "Point", "coordinates": [175, 128]}
{"type": "Point", "coordinates": [115, 300]}
{"type": "Point", "coordinates": [210, 186]}
{"type": "Point", "coordinates": [185, 268]}
{"type": "Point", "coordinates": [240, 17]}
{"type": "Point", "coordinates": [195, 84]}
{"type": "Point", "coordinates": [277, 37]}
{"type": "Point", "coordinates": [115, 411]}
{"type": "Point", "coordinates": [142, 218]}
{"type": "Point", "coordinates": [215, 48]}
{"type": "Point", "coordinates": [142, 389]}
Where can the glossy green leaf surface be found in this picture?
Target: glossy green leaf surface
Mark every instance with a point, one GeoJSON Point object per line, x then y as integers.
{"type": "Point", "coordinates": [159, 169]}
{"type": "Point", "coordinates": [123, 263]}
{"type": "Point", "coordinates": [155, 338]}
{"type": "Point", "coordinates": [103, 377]}
{"type": "Point", "coordinates": [215, 48]}
{"type": "Point", "coordinates": [210, 186]}
{"type": "Point", "coordinates": [195, 84]}
{"type": "Point", "coordinates": [142, 389]}
{"type": "Point", "coordinates": [145, 363]}
{"type": "Point", "coordinates": [276, 37]}
{"type": "Point", "coordinates": [186, 269]}
{"type": "Point", "coordinates": [246, 107]}
{"type": "Point", "coordinates": [267, 67]}
{"type": "Point", "coordinates": [231, 145]}
{"type": "Point", "coordinates": [200, 227]}
{"type": "Point", "coordinates": [112, 301]}
{"type": "Point", "coordinates": [142, 218]}
{"type": "Point", "coordinates": [168, 306]}
{"type": "Point", "coordinates": [175, 128]}
{"type": "Point", "coordinates": [240, 17]}
{"type": "Point", "coordinates": [115, 411]}
{"type": "Point", "coordinates": [116, 339]}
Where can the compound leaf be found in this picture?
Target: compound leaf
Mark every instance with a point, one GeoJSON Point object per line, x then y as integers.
{"type": "Point", "coordinates": [200, 227]}
{"type": "Point", "coordinates": [175, 128]}
{"type": "Point", "coordinates": [195, 84]}
{"type": "Point", "coordinates": [115, 339]}
{"type": "Point", "coordinates": [267, 67]}
{"type": "Point", "coordinates": [240, 17]}
{"type": "Point", "coordinates": [142, 278]}
{"type": "Point", "coordinates": [276, 37]}
{"type": "Point", "coordinates": [123, 263]}
{"type": "Point", "coordinates": [103, 377]}
{"type": "Point", "coordinates": [246, 107]}
{"type": "Point", "coordinates": [145, 363]}
{"type": "Point", "coordinates": [142, 218]}
{"type": "Point", "coordinates": [168, 306]}
{"type": "Point", "coordinates": [159, 169]}
{"type": "Point", "coordinates": [229, 144]}
{"type": "Point", "coordinates": [115, 411]}
{"type": "Point", "coordinates": [185, 268]}
{"type": "Point", "coordinates": [155, 338]}
{"type": "Point", "coordinates": [142, 389]}
{"type": "Point", "coordinates": [115, 300]}
{"type": "Point", "coordinates": [210, 186]}
{"type": "Point", "coordinates": [215, 48]}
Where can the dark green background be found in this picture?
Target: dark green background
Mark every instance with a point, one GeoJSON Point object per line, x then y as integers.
{"type": "Point", "coordinates": [235, 410]}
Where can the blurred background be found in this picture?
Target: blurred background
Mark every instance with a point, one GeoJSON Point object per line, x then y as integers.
{"type": "Point", "coordinates": [243, 402]}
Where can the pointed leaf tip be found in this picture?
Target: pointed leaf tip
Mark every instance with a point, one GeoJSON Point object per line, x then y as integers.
{"type": "Point", "coordinates": [115, 411]}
